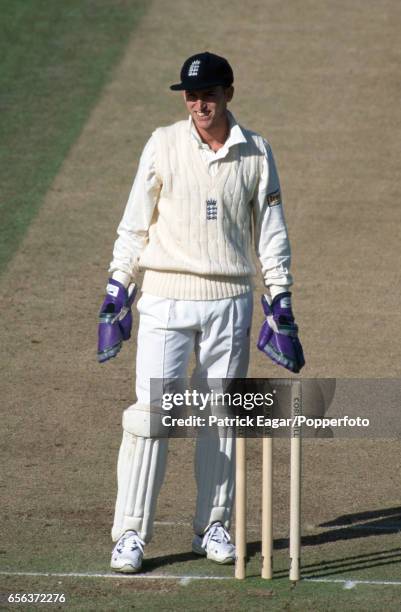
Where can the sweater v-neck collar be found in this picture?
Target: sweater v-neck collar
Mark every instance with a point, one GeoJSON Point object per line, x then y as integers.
{"type": "Point", "coordinates": [235, 137]}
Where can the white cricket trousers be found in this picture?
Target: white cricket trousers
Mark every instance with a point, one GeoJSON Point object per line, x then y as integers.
{"type": "Point", "coordinates": [218, 333]}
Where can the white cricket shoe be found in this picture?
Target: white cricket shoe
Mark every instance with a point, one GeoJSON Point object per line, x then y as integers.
{"type": "Point", "coordinates": [127, 554]}
{"type": "Point", "coordinates": [215, 544]}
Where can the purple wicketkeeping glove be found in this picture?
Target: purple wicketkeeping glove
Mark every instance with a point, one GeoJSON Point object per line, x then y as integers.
{"type": "Point", "coordinates": [115, 319]}
{"type": "Point", "coordinates": [278, 337]}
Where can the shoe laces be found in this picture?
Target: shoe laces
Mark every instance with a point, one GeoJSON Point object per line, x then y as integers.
{"type": "Point", "coordinates": [132, 541]}
{"type": "Point", "coordinates": [216, 533]}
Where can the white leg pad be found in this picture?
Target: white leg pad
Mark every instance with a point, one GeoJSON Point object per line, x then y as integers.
{"type": "Point", "coordinates": [140, 472]}
{"type": "Point", "coordinates": [214, 472]}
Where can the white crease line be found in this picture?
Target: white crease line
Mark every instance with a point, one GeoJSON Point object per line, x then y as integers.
{"type": "Point", "coordinates": [395, 528]}
{"type": "Point", "coordinates": [319, 529]}
{"type": "Point", "coordinates": [189, 524]}
{"type": "Point", "coordinates": [352, 581]}
{"type": "Point", "coordinates": [184, 578]}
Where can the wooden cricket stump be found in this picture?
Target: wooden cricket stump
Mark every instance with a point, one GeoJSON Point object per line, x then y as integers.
{"type": "Point", "coordinates": [295, 484]}
{"type": "Point", "coordinates": [267, 508]}
{"type": "Point", "coordinates": [267, 494]}
{"type": "Point", "coordinates": [240, 508]}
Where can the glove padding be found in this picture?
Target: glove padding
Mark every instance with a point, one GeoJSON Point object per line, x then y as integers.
{"type": "Point", "coordinates": [115, 319]}
{"type": "Point", "coordinates": [278, 337]}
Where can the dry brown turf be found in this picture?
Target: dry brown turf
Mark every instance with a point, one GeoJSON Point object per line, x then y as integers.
{"type": "Point", "coordinates": [320, 80]}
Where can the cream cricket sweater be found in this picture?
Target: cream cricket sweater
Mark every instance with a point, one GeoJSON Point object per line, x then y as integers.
{"type": "Point", "coordinates": [200, 238]}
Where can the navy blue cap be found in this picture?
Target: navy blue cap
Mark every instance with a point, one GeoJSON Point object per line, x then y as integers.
{"type": "Point", "coordinates": [204, 70]}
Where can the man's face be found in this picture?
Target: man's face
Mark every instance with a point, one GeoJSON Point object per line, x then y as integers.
{"type": "Point", "coordinates": [208, 106]}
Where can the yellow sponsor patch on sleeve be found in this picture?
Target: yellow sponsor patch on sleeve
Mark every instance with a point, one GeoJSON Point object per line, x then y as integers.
{"type": "Point", "coordinates": [273, 199]}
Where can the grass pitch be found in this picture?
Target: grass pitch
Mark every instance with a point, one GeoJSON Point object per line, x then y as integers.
{"type": "Point", "coordinates": [56, 57]}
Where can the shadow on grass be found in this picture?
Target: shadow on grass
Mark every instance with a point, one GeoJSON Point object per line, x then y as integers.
{"type": "Point", "coordinates": [351, 563]}
{"type": "Point", "coordinates": [370, 523]}
{"type": "Point", "coordinates": [380, 522]}
{"type": "Point", "coordinates": [155, 563]}
{"type": "Point", "coordinates": [347, 527]}
{"type": "Point", "coordinates": [388, 518]}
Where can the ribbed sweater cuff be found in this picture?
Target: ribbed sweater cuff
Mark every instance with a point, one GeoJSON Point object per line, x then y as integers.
{"type": "Point", "coordinates": [182, 286]}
